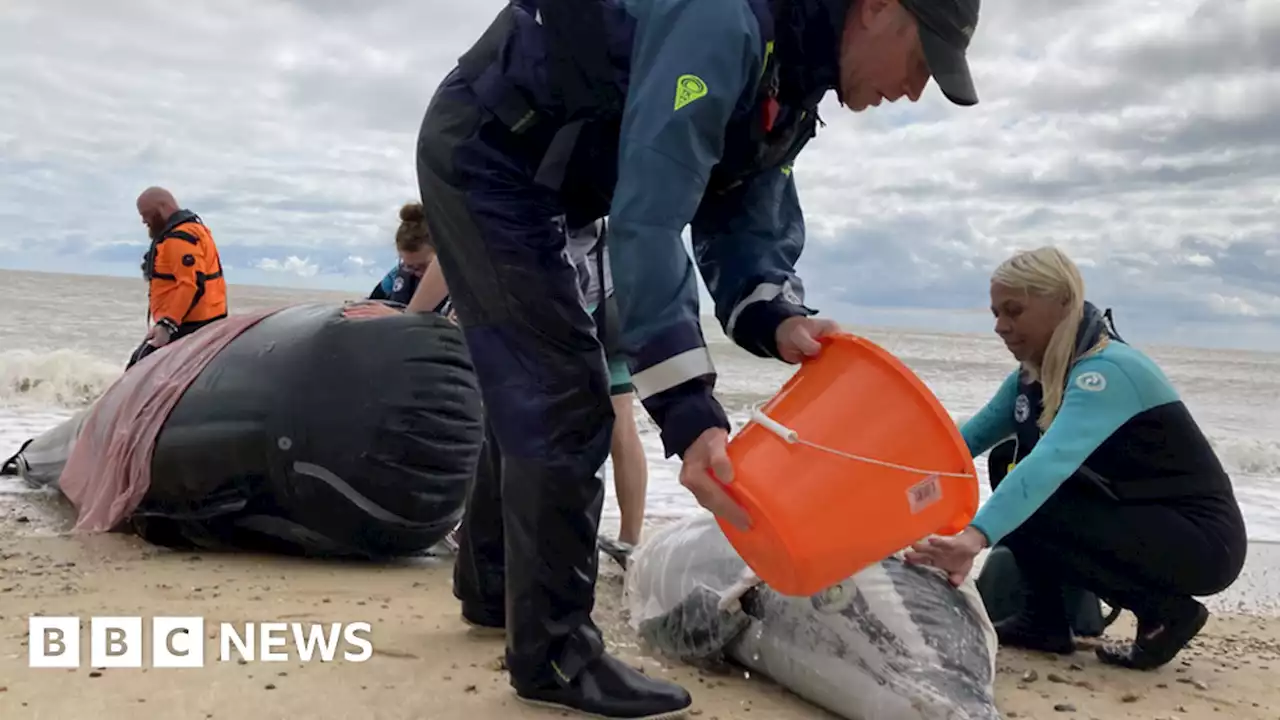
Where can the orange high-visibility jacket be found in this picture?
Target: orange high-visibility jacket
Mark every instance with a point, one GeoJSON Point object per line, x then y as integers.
{"type": "Point", "coordinates": [185, 273]}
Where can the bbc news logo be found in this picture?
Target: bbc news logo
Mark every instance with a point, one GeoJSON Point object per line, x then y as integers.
{"type": "Point", "coordinates": [179, 642]}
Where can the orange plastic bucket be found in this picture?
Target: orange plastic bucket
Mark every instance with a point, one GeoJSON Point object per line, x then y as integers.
{"type": "Point", "coordinates": [818, 515]}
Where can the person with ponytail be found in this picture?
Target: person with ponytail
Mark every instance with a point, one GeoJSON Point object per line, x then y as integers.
{"type": "Point", "coordinates": [417, 254]}
{"type": "Point", "coordinates": [1113, 487]}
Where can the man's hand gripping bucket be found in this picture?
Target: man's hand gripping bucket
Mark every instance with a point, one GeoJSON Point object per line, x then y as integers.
{"type": "Point", "coordinates": [853, 460]}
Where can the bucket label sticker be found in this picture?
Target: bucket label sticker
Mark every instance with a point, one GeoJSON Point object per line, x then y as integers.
{"type": "Point", "coordinates": [924, 493]}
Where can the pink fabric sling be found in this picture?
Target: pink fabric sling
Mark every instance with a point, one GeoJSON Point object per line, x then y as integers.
{"type": "Point", "coordinates": [109, 470]}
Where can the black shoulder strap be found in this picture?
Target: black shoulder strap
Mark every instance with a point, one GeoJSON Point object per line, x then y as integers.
{"type": "Point", "coordinates": [600, 315]}
{"type": "Point", "coordinates": [181, 235]}
{"type": "Point", "coordinates": [1111, 325]}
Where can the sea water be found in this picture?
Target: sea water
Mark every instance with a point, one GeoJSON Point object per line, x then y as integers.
{"type": "Point", "coordinates": [65, 338]}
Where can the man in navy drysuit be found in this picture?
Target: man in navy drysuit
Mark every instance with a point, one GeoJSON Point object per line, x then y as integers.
{"type": "Point", "coordinates": [658, 114]}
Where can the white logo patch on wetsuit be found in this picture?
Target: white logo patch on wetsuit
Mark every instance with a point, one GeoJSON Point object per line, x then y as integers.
{"type": "Point", "coordinates": [398, 285]}
{"type": "Point", "coordinates": [1091, 381]}
{"type": "Point", "coordinates": [1021, 409]}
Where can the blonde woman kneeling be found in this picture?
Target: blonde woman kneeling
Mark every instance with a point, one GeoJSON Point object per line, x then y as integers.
{"type": "Point", "coordinates": [1114, 489]}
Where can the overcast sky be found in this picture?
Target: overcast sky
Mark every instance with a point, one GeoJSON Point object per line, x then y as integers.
{"type": "Point", "coordinates": [1139, 136]}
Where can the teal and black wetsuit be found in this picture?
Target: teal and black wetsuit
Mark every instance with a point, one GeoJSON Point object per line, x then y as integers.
{"type": "Point", "coordinates": [399, 285]}
{"type": "Point", "coordinates": [1123, 495]}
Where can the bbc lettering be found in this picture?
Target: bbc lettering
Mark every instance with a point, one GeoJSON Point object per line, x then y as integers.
{"type": "Point", "coordinates": [179, 642]}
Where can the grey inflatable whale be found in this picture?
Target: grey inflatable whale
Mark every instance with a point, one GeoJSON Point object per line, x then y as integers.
{"type": "Point", "coordinates": [893, 642]}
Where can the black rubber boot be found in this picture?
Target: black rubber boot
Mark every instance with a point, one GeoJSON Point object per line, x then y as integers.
{"type": "Point", "coordinates": [1160, 637]}
{"type": "Point", "coordinates": [1042, 624]}
{"type": "Point", "coordinates": [483, 620]}
{"type": "Point", "coordinates": [1020, 631]}
{"type": "Point", "coordinates": [608, 688]}
{"type": "Point", "coordinates": [479, 568]}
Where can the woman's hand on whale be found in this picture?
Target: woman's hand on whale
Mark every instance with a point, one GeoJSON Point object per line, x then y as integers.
{"type": "Point", "coordinates": [368, 309]}
{"type": "Point", "coordinates": [953, 555]}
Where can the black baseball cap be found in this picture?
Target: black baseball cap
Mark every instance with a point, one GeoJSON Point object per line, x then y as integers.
{"type": "Point", "coordinates": [946, 26]}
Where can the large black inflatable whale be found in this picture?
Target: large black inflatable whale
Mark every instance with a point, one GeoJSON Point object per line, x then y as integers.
{"type": "Point", "coordinates": [295, 431]}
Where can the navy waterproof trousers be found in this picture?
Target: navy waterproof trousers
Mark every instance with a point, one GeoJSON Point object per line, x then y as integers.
{"type": "Point", "coordinates": [527, 547]}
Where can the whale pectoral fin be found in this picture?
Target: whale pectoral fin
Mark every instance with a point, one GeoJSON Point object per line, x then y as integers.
{"type": "Point", "coordinates": [694, 630]}
{"type": "Point", "coordinates": [836, 598]}
{"type": "Point", "coordinates": [730, 599]}
{"type": "Point", "coordinates": [13, 466]}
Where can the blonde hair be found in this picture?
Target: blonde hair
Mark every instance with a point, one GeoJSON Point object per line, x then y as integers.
{"type": "Point", "coordinates": [1048, 272]}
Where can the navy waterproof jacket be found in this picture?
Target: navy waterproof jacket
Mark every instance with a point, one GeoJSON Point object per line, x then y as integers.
{"type": "Point", "coordinates": [689, 153]}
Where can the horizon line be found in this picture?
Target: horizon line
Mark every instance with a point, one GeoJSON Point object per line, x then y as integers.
{"type": "Point", "coordinates": [704, 314]}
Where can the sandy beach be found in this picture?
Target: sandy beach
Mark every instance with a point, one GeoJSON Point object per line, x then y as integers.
{"type": "Point", "coordinates": [426, 665]}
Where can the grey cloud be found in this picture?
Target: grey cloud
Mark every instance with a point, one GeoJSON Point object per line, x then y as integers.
{"type": "Point", "coordinates": [1220, 38]}
{"type": "Point", "coordinates": [1248, 133]}
{"type": "Point", "coordinates": [1099, 61]}
{"type": "Point", "coordinates": [1250, 263]}
{"type": "Point", "coordinates": [290, 126]}
{"type": "Point", "coordinates": [389, 103]}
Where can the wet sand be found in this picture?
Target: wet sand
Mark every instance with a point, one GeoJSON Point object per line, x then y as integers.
{"type": "Point", "coordinates": [427, 665]}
